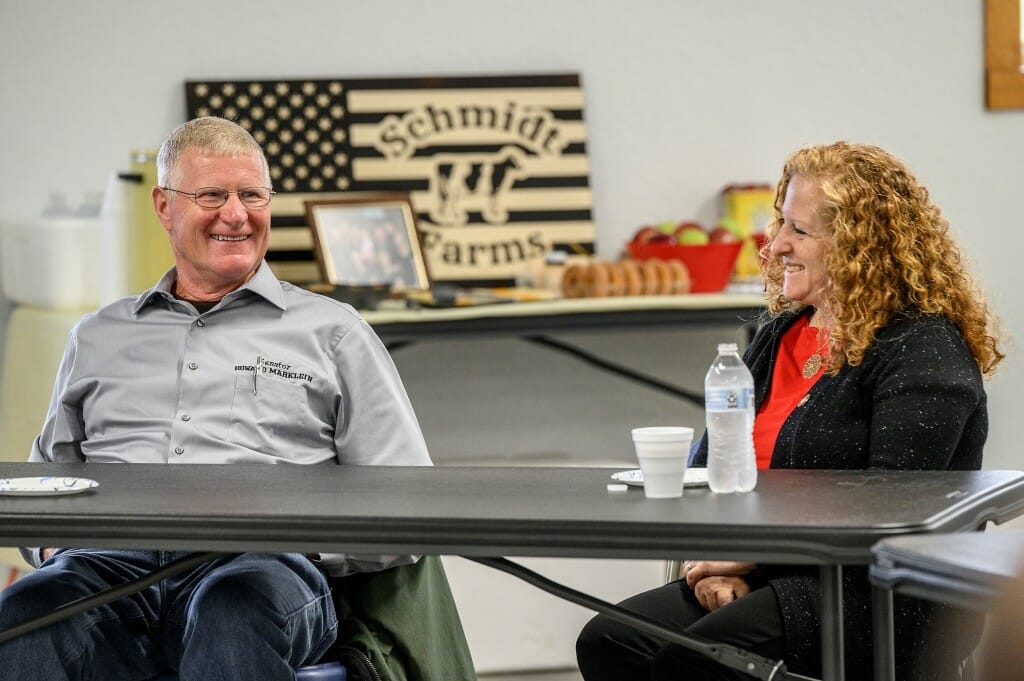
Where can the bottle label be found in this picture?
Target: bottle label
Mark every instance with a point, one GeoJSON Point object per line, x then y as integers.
{"type": "Point", "coordinates": [725, 399]}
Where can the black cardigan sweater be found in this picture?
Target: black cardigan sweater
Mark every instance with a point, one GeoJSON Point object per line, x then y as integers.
{"type": "Point", "coordinates": [916, 401]}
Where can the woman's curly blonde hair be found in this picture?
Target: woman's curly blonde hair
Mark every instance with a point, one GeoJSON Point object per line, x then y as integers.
{"type": "Point", "coordinates": [890, 252]}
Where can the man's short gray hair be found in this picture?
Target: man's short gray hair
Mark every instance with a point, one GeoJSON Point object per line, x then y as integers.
{"type": "Point", "coordinates": [210, 134]}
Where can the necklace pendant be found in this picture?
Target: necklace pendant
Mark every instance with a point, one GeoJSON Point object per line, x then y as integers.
{"type": "Point", "coordinates": [812, 366]}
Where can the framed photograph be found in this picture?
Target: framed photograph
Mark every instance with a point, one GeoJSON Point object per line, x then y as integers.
{"type": "Point", "coordinates": [368, 240]}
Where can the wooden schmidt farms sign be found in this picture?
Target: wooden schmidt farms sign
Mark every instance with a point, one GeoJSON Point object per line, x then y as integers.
{"type": "Point", "coordinates": [496, 167]}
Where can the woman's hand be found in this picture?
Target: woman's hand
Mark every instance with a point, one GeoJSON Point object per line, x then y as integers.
{"type": "Point", "coordinates": [717, 582]}
{"type": "Point", "coordinates": [714, 592]}
{"type": "Point", "coordinates": [696, 570]}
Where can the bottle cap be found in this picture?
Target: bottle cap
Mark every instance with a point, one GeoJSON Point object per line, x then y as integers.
{"type": "Point", "coordinates": [727, 347]}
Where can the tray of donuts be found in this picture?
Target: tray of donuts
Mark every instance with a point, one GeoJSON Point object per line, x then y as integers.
{"type": "Point", "coordinates": [603, 278]}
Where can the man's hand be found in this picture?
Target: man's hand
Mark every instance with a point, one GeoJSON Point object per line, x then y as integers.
{"type": "Point", "coordinates": [714, 592]}
{"type": "Point", "coordinates": [45, 553]}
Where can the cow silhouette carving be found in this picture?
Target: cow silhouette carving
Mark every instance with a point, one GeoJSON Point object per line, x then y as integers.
{"type": "Point", "coordinates": [465, 183]}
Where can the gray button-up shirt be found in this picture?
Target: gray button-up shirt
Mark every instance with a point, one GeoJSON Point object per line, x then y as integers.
{"type": "Point", "coordinates": [271, 374]}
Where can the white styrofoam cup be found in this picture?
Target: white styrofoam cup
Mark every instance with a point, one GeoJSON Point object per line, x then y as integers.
{"type": "Point", "coordinates": [662, 452]}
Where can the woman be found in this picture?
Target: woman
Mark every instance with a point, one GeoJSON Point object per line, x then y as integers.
{"type": "Point", "coordinates": [872, 356]}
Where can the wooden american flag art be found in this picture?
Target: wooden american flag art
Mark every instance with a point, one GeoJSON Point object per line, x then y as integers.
{"type": "Point", "coordinates": [495, 166]}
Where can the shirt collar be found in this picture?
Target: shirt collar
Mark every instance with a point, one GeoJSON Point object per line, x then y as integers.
{"type": "Point", "coordinates": [263, 283]}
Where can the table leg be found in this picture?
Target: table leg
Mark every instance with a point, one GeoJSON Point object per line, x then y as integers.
{"type": "Point", "coordinates": [883, 628]}
{"type": "Point", "coordinates": [729, 656]}
{"type": "Point", "coordinates": [696, 398]}
{"type": "Point", "coordinates": [832, 623]}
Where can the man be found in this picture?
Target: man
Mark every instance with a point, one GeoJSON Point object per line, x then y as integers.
{"type": "Point", "coordinates": [218, 363]}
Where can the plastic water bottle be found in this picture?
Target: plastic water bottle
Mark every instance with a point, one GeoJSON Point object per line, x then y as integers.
{"type": "Point", "coordinates": [729, 407]}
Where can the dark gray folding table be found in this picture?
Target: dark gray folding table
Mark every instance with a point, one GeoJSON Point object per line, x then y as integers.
{"type": "Point", "coordinates": [824, 518]}
{"type": "Point", "coordinates": [970, 570]}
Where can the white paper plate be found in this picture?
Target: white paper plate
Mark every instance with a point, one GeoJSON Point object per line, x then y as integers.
{"type": "Point", "coordinates": [45, 487]}
{"type": "Point", "coordinates": [695, 477]}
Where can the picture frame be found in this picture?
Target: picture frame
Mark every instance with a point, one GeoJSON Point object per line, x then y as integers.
{"type": "Point", "coordinates": [370, 240]}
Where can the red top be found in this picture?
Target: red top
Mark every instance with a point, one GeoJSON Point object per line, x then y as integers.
{"type": "Point", "coordinates": [788, 385]}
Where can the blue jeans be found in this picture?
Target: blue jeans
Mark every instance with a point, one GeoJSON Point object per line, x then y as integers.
{"type": "Point", "coordinates": [250, 616]}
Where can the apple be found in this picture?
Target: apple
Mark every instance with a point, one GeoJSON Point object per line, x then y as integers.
{"type": "Point", "coordinates": [690, 234]}
{"type": "Point", "coordinates": [668, 227]}
{"type": "Point", "coordinates": [649, 235]}
{"type": "Point", "coordinates": [722, 235]}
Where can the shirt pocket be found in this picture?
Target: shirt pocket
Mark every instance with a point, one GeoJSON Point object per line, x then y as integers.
{"type": "Point", "coordinates": [267, 415]}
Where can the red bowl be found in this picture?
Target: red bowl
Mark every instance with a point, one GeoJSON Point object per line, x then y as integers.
{"type": "Point", "coordinates": [710, 266]}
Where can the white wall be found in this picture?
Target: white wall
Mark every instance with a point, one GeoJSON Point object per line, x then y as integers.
{"type": "Point", "coordinates": [682, 97]}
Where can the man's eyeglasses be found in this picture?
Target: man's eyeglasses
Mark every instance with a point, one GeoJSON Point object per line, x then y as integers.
{"type": "Point", "coordinates": [215, 197]}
